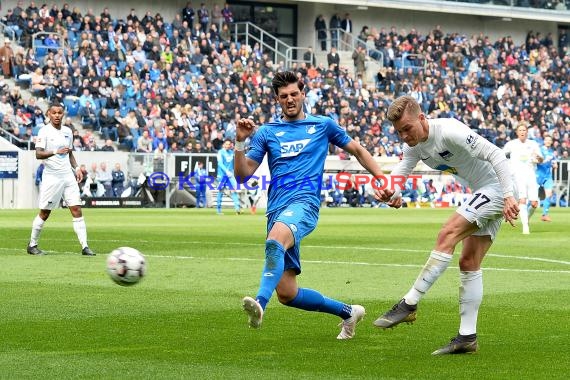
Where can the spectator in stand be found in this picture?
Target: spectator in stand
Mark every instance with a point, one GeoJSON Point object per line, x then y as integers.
{"type": "Point", "coordinates": [108, 146]}
{"type": "Point", "coordinates": [227, 14]}
{"type": "Point", "coordinates": [108, 125]}
{"type": "Point", "coordinates": [118, 181]}
{"type": "Point", "coordinates": [7, 57]}
{"type": "Point", "coordinates": [105, 177]}
{"type": "Point", "coordinates": [321, 29]}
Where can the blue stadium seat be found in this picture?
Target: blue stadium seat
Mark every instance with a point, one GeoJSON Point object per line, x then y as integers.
{"type": "Point", "coordinates": [71, 106]}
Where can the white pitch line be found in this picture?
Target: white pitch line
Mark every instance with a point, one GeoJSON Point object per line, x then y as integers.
{"type": "Point", "coordinates": [331, 262]}
{"type": "Point", "coordinates": [528, 258]}
{"type": "Point", "coordinates": [385, 249]}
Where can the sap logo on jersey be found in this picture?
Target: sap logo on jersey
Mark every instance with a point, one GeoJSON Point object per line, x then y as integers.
{"type": "Point", "coordinates": [293, 148]}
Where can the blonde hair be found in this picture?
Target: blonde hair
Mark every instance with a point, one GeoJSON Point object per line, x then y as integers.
{"type": "Point", "coordinates": [402, 105]}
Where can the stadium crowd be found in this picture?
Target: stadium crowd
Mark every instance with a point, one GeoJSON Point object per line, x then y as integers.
{"type": "Point", "coordinates": [181, 84]}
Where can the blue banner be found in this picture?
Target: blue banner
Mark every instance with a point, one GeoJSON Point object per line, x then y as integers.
{"type": "Point", "coordinates": [8, 165]}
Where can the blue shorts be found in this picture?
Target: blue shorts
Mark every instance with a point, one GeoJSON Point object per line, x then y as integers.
{"type": "Point", "coordinates": [546, 182]}
{"type": "Point", "coordinates": [302, 219]}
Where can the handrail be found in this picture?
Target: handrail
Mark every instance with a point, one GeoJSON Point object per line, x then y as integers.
{"type": "Point", "coordinates": [409, 56]}
{"type": "Point", "coordinates": [279, 48]}
{"type": "Point", "coordinates": [4, 28]}
{"type": "Point", "coordinates": [37, 37]}
{"type": "Point", "coordinates": [11, 138]}
{"type": "Point", "coordinates": [348, 42]}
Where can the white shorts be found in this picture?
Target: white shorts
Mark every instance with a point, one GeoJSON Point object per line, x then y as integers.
{"type": "Point", "coordinates": [53, 188]}
{"type": "Point", "coordinates": [527, 187]}
{"type": "Point", "coordinates": [484, 207]}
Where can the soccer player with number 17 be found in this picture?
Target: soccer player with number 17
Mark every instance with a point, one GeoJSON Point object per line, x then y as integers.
{"type": "Point", "coordinates": [450, 146]}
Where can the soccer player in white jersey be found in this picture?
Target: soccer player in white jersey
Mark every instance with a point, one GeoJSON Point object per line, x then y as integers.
{"type": "Point", "coordinates": [54, 145]}
{"type": "Point", "coordinates": [524, 154]}
{"type": "Point", "coordinates": [449, 145]}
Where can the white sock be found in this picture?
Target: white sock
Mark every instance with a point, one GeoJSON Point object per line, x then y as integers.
{"type": "Point", "coordinates": [80, 230]}
{"type": "Point", "coordinates": [470, 296]}
{"type": "Point", "coordinates": [37, 226]}
{"type": "Point", "coordinates": [434, 267]}
{"type": "Point", "coordinates": [531, 211]}
{"type": "Point", "coordinates": [523, 213]}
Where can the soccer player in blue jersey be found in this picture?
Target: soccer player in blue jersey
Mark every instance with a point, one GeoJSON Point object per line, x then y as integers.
{"type": "Point", "coordinates": [544, 175]}
{"type": "Point", "coordinates": [296, 146]}
{"type": "Point", "coordinates": [226, 178]}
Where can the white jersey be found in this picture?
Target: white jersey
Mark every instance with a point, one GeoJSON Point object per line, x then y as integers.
{"type": "Point", "coordinates": [454, 148]}
{"type": "Point", "coordinates": [50, 138]}
{"type": "Point", "coordinates": [523, 156]}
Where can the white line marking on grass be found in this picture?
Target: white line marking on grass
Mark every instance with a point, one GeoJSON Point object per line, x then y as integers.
{"type": "Point", "coordinates": [385, 249]}
{"type": "Point", "coordinates": [360, 263]}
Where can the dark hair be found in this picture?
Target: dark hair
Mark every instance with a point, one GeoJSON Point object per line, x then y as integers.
{"type": "Point", "coordinates": [56, 103]}
{"type": "Point", "coordinates": [285, 78]}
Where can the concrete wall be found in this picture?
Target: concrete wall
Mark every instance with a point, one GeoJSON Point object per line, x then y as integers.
{"type": "Point", "coordinates": [424, 22]}
{"type": "Point", "coordinates": [307, 12]}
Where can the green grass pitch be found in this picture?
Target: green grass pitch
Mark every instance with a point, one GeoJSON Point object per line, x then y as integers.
{"type": "Point", "coordinates": [61, 317]}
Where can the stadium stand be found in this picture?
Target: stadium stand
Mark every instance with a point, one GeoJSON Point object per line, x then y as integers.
{"type": "Point", "coordinates": [187, 86]}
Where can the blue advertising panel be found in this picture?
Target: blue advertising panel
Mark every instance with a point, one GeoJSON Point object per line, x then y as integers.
{"type": "Point", "coordinates": [8, 165]}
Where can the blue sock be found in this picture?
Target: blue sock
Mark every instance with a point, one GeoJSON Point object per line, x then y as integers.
{"type": "Point", "coordinates": [272, 272]}
{"type": "Point", "coordinates": [545, 206]}
{"type": "Point", "coordinates": [219, 200]}
{"type": "Point", "coordinates": [311, 300]}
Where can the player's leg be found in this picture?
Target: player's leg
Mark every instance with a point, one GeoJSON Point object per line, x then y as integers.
{"type": "Point", "coordinates": [547, 185]}
{"type": "Point", "coordinates": [72, 198]}
{"type": "Point", "coordinates": [471, 291]}
{"type": "Point", "coordinates": [302, 220]}
{"type": "Point", "coordinates": [234, 194]}
{"type": "Point", "coordinates": [461, 224]}
{"type": "Point", "coordinates": [51, 191]}
{"type": "Point", "coordinates": [532, 196]}
{"type": "Point", "coordinates": [219, 200]}
{"type": "Point", "coordinates": [278, 240]}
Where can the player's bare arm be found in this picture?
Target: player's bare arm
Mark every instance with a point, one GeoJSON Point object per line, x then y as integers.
{"type": "Point", "coordinates": [243, 167]}
{"type": "Point", "coordinates": [73, 162]}
{"type": "Point", "coordinates": [368, 162]}
{"type": "Point", "coordinates": [42, 154]}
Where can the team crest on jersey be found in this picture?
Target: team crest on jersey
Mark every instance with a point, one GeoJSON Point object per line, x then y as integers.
{"type": "Point", "coordinates": [293, 148]}
{"type": "Point", "coordinates": [446, 155]}
{"type": "Point", "coordinates": [311, 129]}
{"type": "Point", "coordinates": [472, 140]}
{"type": "Point", "coordinates": [446, 169]}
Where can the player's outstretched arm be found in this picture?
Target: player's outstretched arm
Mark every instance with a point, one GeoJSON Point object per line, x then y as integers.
{"type": "Point", "coordinates": [243, 167]}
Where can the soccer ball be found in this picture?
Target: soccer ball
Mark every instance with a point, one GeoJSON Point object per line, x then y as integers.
{"type": "Point", "coordinates": [126, 266]}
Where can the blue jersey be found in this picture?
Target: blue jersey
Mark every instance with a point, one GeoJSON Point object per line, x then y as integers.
{"type": "Point", "coordinates": [225, 163]}
{"type": "Point", "coordinates": [544, 169]}
{"type": "Point", "coordinates": [296, 153]}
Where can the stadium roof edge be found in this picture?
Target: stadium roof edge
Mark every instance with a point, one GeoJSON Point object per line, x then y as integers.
{"type": "Point", "coordinates": [455, 7]}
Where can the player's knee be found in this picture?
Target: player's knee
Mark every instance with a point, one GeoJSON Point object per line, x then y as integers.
{"type": "Point", "coordinates": [446, 239]}
{"type": "Point", "coordinates": [468, 263]}
{"type": "Point", "coordinates": [286, 294]}
{"type": "Point", "coordinates": [285, 298]}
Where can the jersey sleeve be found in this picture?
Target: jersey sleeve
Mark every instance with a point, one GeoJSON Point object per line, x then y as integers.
{"type": "Point", "coordinates": [257, 145]}
{"type": "Point", "coordinates": [41, 140]}
{"type": "Point", "coordinates": [336, 134]}
{"type": "Point", "coordinates": [410, 159]}
{"type": "Point", "coordinates": [478, 147]}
